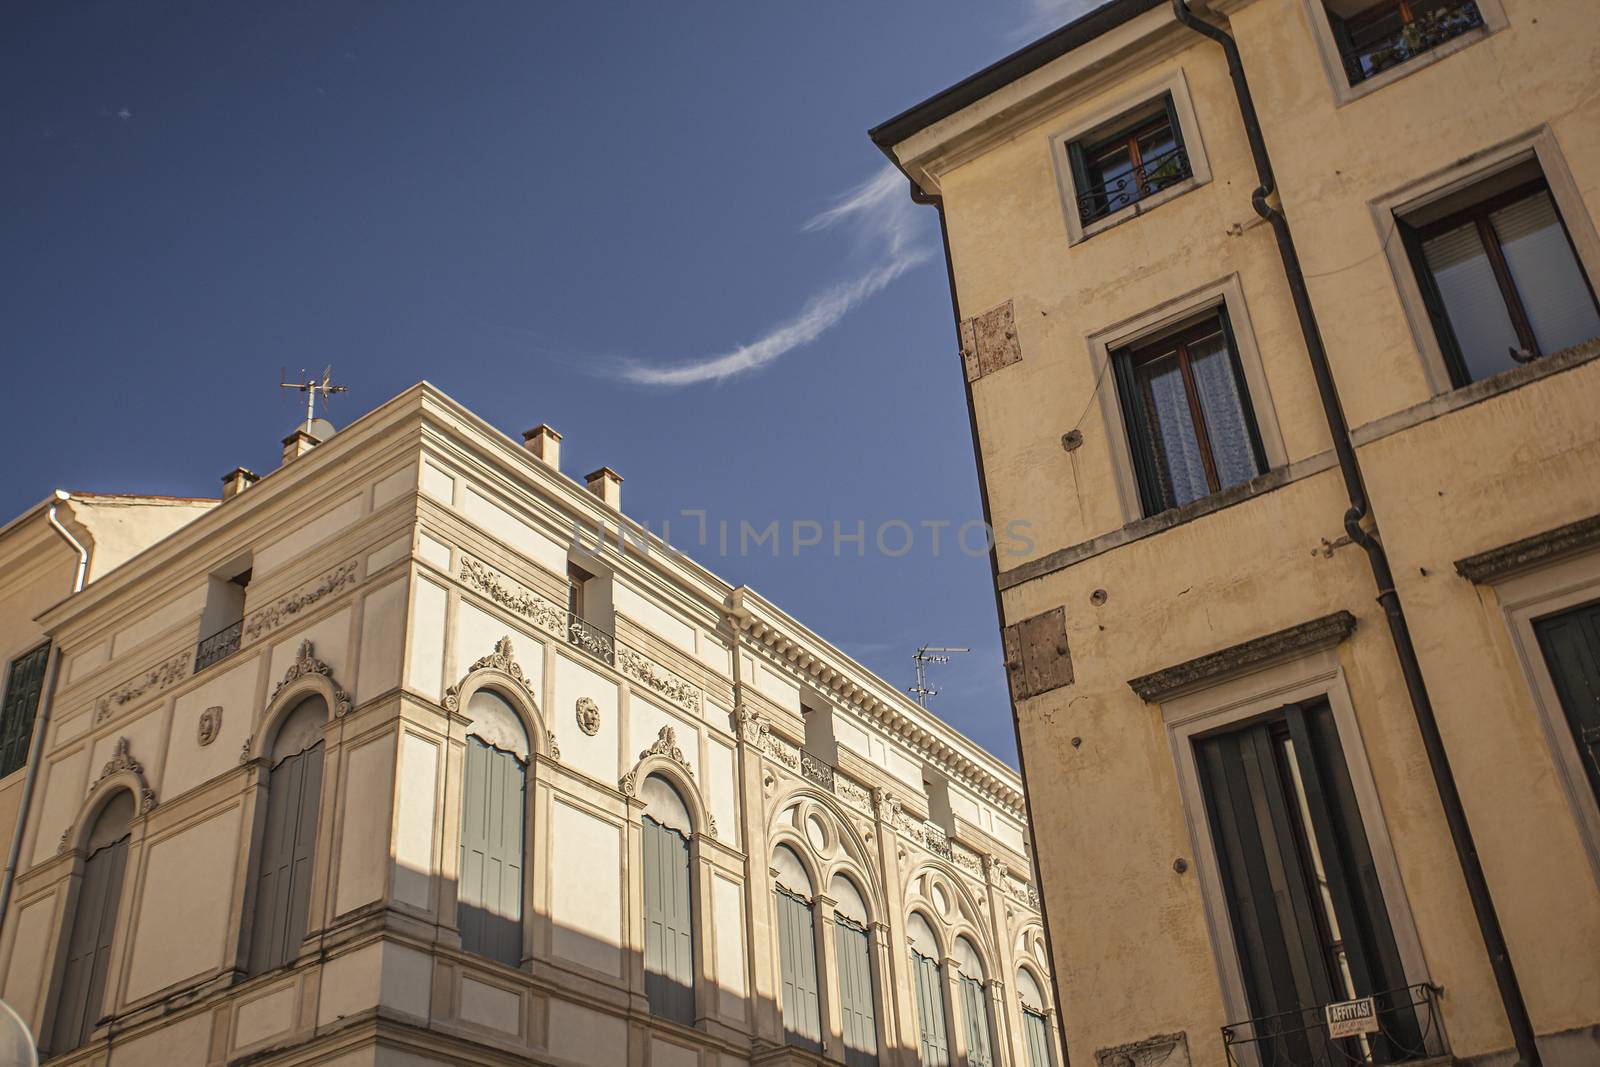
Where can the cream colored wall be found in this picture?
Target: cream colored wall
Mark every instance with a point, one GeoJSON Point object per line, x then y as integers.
{"type": "Point", "coordinates": [1133, 952]}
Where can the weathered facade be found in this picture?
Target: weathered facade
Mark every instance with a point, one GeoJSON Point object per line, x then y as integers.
{"type": "Point", "coordinates": [1203, 677]}
{"type": "Point", "coordinates": [418, 751]}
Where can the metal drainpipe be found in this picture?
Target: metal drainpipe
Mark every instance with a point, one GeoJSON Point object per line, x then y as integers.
{"type": "Point", "coordinates": [937, 202]}
{"type": "Point", "coordinates": [1362, 527]}
{"type": "Point", "coordinates": [41, 720]}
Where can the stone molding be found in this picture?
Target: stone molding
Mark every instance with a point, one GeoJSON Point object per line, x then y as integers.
{"type": "Point", "coordinates": [1330, 629]}
{"type": "Point", "coordinates": [120, 763]}
{"type": "Point", "coordinates": [283, 609]}
{"type": "Point", "coordinates": [636, 665]}
{"type": "Point", "coordinates": [306, 663]}
{"type": "Point", "coordinates": [1499, 562]}
{"type": "Point", "coordinates": [170, 671]}
{"type": "Point", "coordinates": [1160, 1050]}
{"type": "Point", "coordinates": [502, 659]}
{"type": "Point", "coordinates": [512, 595]}
{"type": "Point", "coordinates": [665, 746]}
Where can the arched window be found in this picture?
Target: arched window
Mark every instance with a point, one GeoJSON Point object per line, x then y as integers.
{"type": "Point", "coordinates": [294, 797]}
{"type": "Point", "coordinates": [668, 909]}
{"type": "Point", "coordinates": [493, 806]}
{"type": "Point", "coordinates": [797, 949]}
{"type": "Point", "coordinates": [928, 976]}
{"type": "Point", "coordinates": [857, 1000]}
{"type": "Point", "coordinates": [974, 1005]}
{"type": "Point", "coordinates": [83, 983]}
{"type": "Point", "coordinates": [1035, 1027]}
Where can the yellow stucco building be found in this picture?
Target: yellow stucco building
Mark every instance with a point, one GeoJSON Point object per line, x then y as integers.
{"type": "Point", "coordinates": [1278, 324]}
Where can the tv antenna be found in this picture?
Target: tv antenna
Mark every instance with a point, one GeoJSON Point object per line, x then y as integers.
{"type": "Point", "coordinates": [925, 655]}
{"type": "Point", "coordinates": [311, 387]}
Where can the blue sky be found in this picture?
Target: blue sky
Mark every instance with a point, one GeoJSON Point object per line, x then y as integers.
{"type": "Point", "coordinates": [658, 226]}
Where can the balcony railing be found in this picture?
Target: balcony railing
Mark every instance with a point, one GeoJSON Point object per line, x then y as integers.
{"type": "Point", "coordinates": [1424, 33]}
{"type": "Point", "coordinates": [584, 634]}
{"type": "Point", "coordinates": [1157, 172]}
{"type": "Point", "coordinates": [938, 843]}
{"type": "Point", "coordinates": [816, 769]}
{"type": "Point", "coordinates": [1408, 1030]}
{"type": "Point", "coordinates": [219, 646]}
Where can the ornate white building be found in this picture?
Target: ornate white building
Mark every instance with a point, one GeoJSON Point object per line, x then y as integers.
{"type": "Point", "coordinates": [377, 762]}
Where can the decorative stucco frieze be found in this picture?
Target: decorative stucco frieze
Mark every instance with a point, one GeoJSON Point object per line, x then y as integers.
{"type": "Point", "coordinates": [966, 859]}
{"type": "Point", "coordinates": [752, 725]}
{"type": "Point", "coordinates": [1328, 630]}
{"type": "Point", "coordinates": [513, 596]}
{"type": "Point", "coordinates": [502, 659]}
{"type": "Point", "coordinates": [306, 663]}
{"type": "Point", "coordinates": [782, 751]}
{"type": "Point", "coordinates": [152, 681]}
{"type": "Point", "coordinates": [285, 608]}
{"type": "Point", "coordinates": [887, 805]}
{"type": "Point", "coordinates": [121, 762]}
{"type": "Point", "coordinates": [666, 746]}
{"type": "Point", "coordinates": [852, 792]}
{"type": "Point", "coordinates": [1021, 891]}
{"type": "Point", "coordinates": [642, 669]}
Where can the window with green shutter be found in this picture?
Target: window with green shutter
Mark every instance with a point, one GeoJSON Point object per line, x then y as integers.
{"type": "Point", "coordinates": [797, 950]}
{"type": "Point", "coordinates": [668, 907]}
{"type": "Point", "coordinates": [1571, 646]}
{"type": "Point", "coordinates": [974, 1005]}
{"type": "Point", "coordinates": [852, 944]}
{"type": "Point", "coordinates": [294, 799]}
{"type": "Point", "coordinates": [81, 1000]}
{"type": "Point", "coordinates": [933, 1032]}
{"type": "Point", "coordinates": [24, 683]}
{"type": "Point", "coordinates": [1036, 1038]}
{"type": "Point", "coordinates": [493, 814]}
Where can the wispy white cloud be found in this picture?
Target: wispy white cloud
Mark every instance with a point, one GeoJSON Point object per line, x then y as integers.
{"type": "Point", "coordinates": [1046, 15]}
{"type": "Point", "coordinates": [879, 215]}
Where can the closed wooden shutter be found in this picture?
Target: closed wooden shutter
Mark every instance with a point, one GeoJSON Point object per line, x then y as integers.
{"type": "Point", "coordinates": [1036, 1038]}
{"type": "Point", "coordinates": [83, 984]}
{"type": "Point", "coordinates": [489, 889]}
{"type": "Point", "coordinates": [933, 1034]}
{"type": "Point", "coordinates": [975, 1007]}
{"type": "Point", "coordinates": [668, 923]}
{"type": "Point", "coordinates": [283, 887]}
{"type": "Point", "coordinates": [1571, 646]}
{"type": "Point", "coordinates": [797, 954]}
{"type": "Point", "coordinates": [857, 1004]}
{"type": "Point", "coordinates": [24, 682]}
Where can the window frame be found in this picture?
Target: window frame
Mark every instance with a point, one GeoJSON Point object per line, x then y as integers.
{"type": "Point", "coordinates": [1390, 209]}
{"type": "Point", "coordinates": [1326, 38]}
{"type": "Point", "coordinates": [1234, 702]}
{"type": "Point", "coordinates": [16, 733]}
{"type": "Point", "coordinates": [1186, 131]}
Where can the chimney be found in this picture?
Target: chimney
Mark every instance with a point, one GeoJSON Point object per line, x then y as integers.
{"type": "Point", "coordinates": [606, 484]}
{"type": "Point", "coordinates": [298, 444]}
{"type": "Point", "coordinates": [544, 443]}
{"type": "Point", "coordinates": [237, 481]}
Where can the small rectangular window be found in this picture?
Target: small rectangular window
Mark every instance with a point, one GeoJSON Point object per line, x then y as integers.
{"type": "Point", "coordinates": [1375, 37]}
{"type": "Point", "coordinates": [24, 683]}
{"type": "Point", "coordinates": [1135, 157]}
{"type": "Point", "coordinates": [1190, 424]}
{"type": "Point", "coordinates": [1499, 276]}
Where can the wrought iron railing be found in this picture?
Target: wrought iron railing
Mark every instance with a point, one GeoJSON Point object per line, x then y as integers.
{"type": "Point", "coordinates": [938, 843]}
{"type": "Point", "coordinates": [1424, 33]}
{"type": "Point", "coordinates": [816, 769]}
{"type": "Point", "coordinates": [219, 646]}
{"type": "Point", "coordinates": [1156, 173]}
{"type": "Point", "coordinates": [583, 634]}
{"type": "Point", "coordinates": [1408, 1030]}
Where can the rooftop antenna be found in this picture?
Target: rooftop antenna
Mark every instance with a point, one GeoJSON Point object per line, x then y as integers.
{"type": "Point", "coordinates": [311, 387]}
{"type": "Point", "coordinates": [925, 655]}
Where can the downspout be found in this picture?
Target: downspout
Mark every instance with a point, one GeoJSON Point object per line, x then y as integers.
{"type": "Point", "coordinates": [937, 202]}
{"type": "Point", "coordinates": [41, 719]}
{"type": "Point", "coordinates": [1362, 527]}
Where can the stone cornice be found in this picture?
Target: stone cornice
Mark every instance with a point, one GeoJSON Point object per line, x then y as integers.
{"type": "Point", "coordinates": [1499, 562]}
{"type": "Point", "coordinates": [1328, 630]}
{"type": "Point", "coordinates": [867, 694]}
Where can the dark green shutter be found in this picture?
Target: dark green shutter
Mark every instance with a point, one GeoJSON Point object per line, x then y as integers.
{"type": "Point", "coordinates": [1080, 184]}
{"type": "Point", "coordinates": [975, 1006]}
{"type": "Point", "coordinates": [1036, 1038]}
{"type": "Point", "coordinates": [1433, 302]}
{"type": "Point", "coordinates": [857, 1012]}
{"type": "Point", "coordinates": [489, 892]}
{"type": "Point", "coordinates": [24, 682]}
{"type": "Point", "coordinates": [1137, 425]}
{"type": "Point", "coordinates": [668, 924]}
{"type": "Point", "coordinates": [797, 956]}
{"type": "Point", "coordinates": [1184, 169]}
{"type": "Point", "coordinates": [83, 983]}
{"type": "Point", "coordinates": [1346, 47]}
{"type": "Point", "coordinates": [283, 886]}
{"type": "Point", "coordinates": [1571, 646]}
{"type": "Point", "coordinates": [933, 1035]}
{"type": "Point", "coordinates": [1243, 389]}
